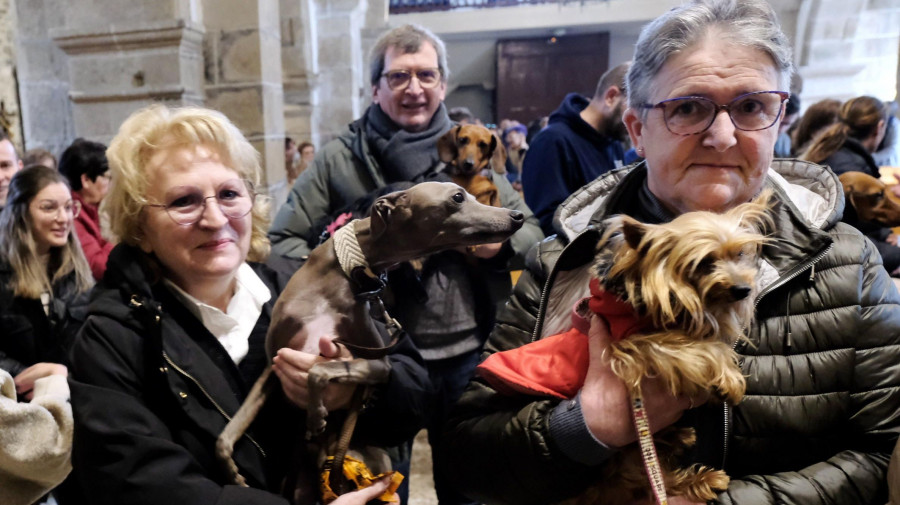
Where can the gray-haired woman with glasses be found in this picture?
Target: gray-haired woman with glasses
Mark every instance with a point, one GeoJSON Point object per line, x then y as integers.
{"type": "Point", "coordinates": [706, 91]}
{"type": "Point", "coordinates": [176, 329]}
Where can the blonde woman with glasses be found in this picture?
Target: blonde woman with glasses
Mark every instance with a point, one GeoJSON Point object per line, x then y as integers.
{"type": "Point", "coordinates": [176, 329]}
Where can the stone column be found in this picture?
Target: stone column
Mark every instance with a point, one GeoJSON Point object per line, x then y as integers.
{"type": "Point", "coordinates": [122, 59]}
{"type": "Point", "coordinates": [243, 74]}
{"type": "Point", "coordinates": [43, 76]}
{"type": "Point", "coordinates": [300, 68]}
{"type": "Point", "coordinates": [341, 59]}
{"type": "Point", "coordinates": [9, 95]}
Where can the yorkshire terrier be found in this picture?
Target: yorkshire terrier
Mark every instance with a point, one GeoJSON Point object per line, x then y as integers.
{"type": "Point", "coordinates": [681, 295]}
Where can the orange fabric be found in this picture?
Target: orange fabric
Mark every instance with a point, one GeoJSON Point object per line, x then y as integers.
{"type": "Point", "coordinates": [553, 366]}
{"type": "Point", "coordinates": [557, 365]}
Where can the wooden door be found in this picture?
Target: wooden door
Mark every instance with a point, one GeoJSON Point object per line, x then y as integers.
{"type": "Point", "coordinates": [535, 74]}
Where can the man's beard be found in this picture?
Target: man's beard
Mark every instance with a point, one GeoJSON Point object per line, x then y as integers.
{"type": "Point", "coordinates": [613, 126]}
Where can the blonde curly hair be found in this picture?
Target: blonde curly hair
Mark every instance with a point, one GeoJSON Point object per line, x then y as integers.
{"type": "Point", "coordinates": [156, 128]}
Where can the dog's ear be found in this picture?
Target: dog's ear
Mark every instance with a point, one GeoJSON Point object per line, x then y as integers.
{"type": "Point", "coordinates": [498, 156]}
{"type": "Point", "coordinates": [380, 215]}
{"type": "Point", "coordinates": [446, 145]}
{"type": "Point", "coordinates": [633, 231]}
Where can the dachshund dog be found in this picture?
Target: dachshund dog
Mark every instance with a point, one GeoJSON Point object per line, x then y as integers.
{"type": "Point", "coordinates": [321, 300]}
{"type": "Point", "coordinates": [468, 150]}
{"type": "Point", "coordinates": [871, 198]}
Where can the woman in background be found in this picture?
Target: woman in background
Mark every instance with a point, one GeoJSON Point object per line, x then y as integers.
{"type": "Point", "coordinates": [84, 164]}
{"type": "Point", "coordinates": [44, 277]}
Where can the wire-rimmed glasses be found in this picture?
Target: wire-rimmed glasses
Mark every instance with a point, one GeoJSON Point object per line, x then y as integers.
{"type": "Point", "coordinates": [400, 78]}
{"type": "Point", "coordinates": [186, 204]}
{"type": "Point", "coordinates": [691, 115]}
{"type": "Point", "coordinates": [71, 208]}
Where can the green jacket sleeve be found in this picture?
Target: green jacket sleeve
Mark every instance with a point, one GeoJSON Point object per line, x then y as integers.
{"type": "Point", "coordinates": [292, 230]}
{"type": "Point", "coordinates": [530, 233]}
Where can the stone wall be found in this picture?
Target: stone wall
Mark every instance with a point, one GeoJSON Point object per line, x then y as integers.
{"type": "Point", "coordinates": [9, 94]}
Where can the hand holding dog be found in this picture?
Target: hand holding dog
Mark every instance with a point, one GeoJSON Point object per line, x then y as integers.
{"type": "Point", "coordinates": [606, 403]}
{"type": "Point", "coordinates": [292, 368]}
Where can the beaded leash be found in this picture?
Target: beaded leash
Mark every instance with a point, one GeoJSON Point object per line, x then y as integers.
{"type": "Point", "coordinates": [648, 450]}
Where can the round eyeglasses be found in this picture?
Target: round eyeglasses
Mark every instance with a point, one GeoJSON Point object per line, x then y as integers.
{"type": "Point", "coordinates": [400, 79]}
{"type": "Point", "coordinates": [691, 115]}
{"type": "Point", "coordinates": [186, 204]}
{"type": "Point", "coordinates": [52, 207]}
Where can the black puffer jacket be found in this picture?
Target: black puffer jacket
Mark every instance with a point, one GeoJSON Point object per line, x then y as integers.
{"type": "Point", "coordinates": [822, 409]}
{"type": "Point", "coordinates": [151, 389]}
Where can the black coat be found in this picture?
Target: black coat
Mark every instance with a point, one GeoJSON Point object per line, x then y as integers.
{"type": "Point", "coordinates": [32, 336]}
{"type": "Point", "coordinates": [151, 389]}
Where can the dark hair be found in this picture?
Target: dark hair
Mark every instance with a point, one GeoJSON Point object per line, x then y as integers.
{"type": "Point", "coordinates": [30, 276]}
{"type": "Point", "coordinates": [83, 157]}
{"type": "Point", "coordinates": [460, 113]}
{"type": "Point", "coordinates": [792, 106]}
{"type": "Point", "coordinates": [816, 119]}
{"type": "Point", "coordinates": [613, 77]}
{"type": "Point", "coordinates": [858, 119]}
{"type": "Point", "coordinates": [37, 156]}
{"type": "Point", "coordinates": [303, 145]}
{"type": "Point", "coordinates": [287, 142]}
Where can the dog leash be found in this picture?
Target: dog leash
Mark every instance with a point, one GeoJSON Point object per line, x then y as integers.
{"type": "Point", "coordinates": [648, 450]}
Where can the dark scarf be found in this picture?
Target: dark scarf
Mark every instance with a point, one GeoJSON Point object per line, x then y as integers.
{"type": "Point", "coordinates": [403, 155]}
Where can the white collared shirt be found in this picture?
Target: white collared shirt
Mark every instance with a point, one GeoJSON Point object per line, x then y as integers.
{"type": "Point", "coordinates": [233, 327]}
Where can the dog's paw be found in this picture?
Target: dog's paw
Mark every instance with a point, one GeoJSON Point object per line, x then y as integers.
{"type": "Point", "coordinates": [697, 483]}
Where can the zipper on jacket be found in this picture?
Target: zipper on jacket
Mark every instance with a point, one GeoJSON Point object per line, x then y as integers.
{"type": "Point", "coordinates": [208, 397]}
{"type": "Point", "coordinates": [811, 265]}
{"type": "Point", "coordinates": [542, 308]}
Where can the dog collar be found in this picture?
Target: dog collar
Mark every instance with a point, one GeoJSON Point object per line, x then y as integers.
{"type": "Point", "coordinates": [349, 253]}
{"type": "Point", "coordinates": [621, 316]}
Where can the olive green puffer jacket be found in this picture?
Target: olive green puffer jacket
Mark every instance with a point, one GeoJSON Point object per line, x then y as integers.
{"type": "Point", "coordinates": [822, 409]}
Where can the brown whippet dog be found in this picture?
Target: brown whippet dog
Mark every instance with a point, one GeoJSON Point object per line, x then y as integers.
{"type": "Point", "coordinates": [321, 298]}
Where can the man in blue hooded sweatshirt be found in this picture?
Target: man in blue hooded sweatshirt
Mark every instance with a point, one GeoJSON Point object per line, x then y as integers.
{"type": "Point", "coordinates": [582, 141]}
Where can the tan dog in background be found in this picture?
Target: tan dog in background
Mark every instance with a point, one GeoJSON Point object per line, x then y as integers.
{"type": "Point", "coordinates": [469, 149]}
{"type": "Point", "coordinates": [871, 198]}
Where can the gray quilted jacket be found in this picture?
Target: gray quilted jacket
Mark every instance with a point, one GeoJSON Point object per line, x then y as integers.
{"type": "Point", "coordinates": [821, 414]}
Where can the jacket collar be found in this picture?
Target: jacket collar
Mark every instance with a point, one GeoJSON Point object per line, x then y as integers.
{"type": "Point", "coordinates": [810, 200]}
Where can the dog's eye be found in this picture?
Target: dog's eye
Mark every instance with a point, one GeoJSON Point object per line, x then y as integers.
{"type": "Point", "coordinates": [463, 141]}
{"type": "Point", "coordinates": [459, 197]}
{"type": "Point", "coordinates": [482, 145]}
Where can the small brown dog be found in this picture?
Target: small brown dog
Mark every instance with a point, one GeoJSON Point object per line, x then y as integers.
{"type": "Point", "coordinates": [871, 198]}
{"type": "Point", "coordinates": [677, 296]}
{"type": "Point", "coordinates": [469, 149]}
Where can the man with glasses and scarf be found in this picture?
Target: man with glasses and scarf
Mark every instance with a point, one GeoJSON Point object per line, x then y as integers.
{"type": "Point", "coordinates": [448, 308]}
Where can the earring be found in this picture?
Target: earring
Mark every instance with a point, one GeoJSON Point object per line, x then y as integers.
{"type": "Point", "coordinates": [640, 151]}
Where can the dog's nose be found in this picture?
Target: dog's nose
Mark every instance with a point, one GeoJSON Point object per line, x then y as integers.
{"type": "Point", "coordinates": [468, 164]}
{"type": "Point", "coordinates": [516, 215]}
{"type": "Point", "coordinates": [739, 292]}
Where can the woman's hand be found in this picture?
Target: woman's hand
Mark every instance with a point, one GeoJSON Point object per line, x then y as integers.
{"type": "Point", "coordinates": [292, 368]}
{"type": "Point", "coordinates": [606, 403]}
{"type": "Point", "coordinates": [25, 380]}
{"type": "Point", "coordinates": [365, 495]}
